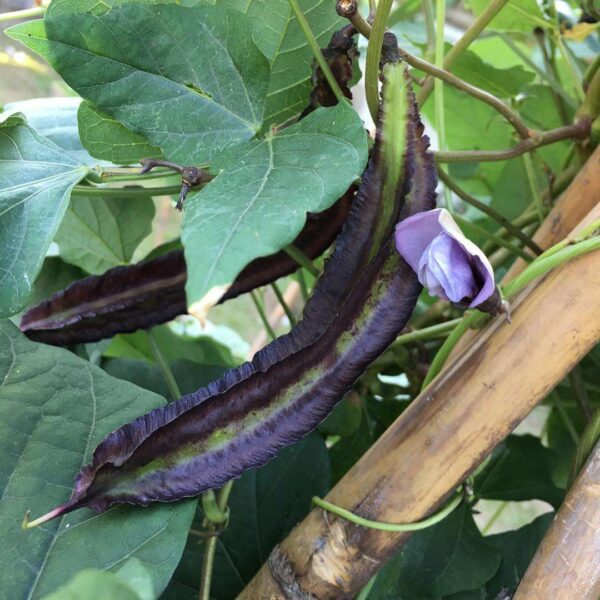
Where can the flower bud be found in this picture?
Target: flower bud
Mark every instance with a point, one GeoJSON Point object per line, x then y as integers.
{"type": "Point", "coordinates": [448, 264]}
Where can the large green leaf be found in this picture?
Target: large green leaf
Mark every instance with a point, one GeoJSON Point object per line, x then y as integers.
{"type": "Point", "coordinates": [445, 559]}
{"type": "Point", "coordinates": [99, 233]}
{"type": "Point", "coordinates": [278, 35]}
{"type": "Point", "coordinates": [202, 350]}
{"type": "Point", "coordinates": [106, 138]}
{"type": "Point", "coordinates": [54, 409]}
{"type": "Point", "coordinates": [36, 178]}
{"type": "Point", "coordinates": [265, 504]}
{"type": "Point", "coordinates": [258, 202]}
{"type": "Point", "coordinates": [190, 80]}
{"type": "Point", "coordinates": [520, 469]}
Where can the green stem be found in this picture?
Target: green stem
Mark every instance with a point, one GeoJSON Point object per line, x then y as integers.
{"type": "Point", "coordinates": [284, 305]}
{"type": "Point", "coordinates": [488, 210]}
{"type": "Point", "coordinates": [214, 527]}
{"type": "Point", "coordinates": [571, 68]}
{"type": "Point", "coordinates": [208, 559]}
{"type": "Point", "coordinates": [465, 224]}
{"type": "Point", "coordinates": [589, 439]}
{"type": "Point", "coordinates": [302, 283]}
{"type": "Point", "coordinates": [301, 258]}
{"type": "Point", "coordinates": [444, 352]}
{"type": "Point", "coordinates": [438, 90]}
{"type": "Point", "coordinates": [366, 589]}
{"type": "Point", "coordinates": [35, 11]}
{"type": "Point", "coordinates": [429, 28]}
{"type": "Point", "coordinates": [392, 527]}
{"type": "Point", "coordinates": [374, 56]}
{"type": "Point", "coordinates": [580, 393]}
{"type": "Point", "coordinates": [263, 317]}
{"type": "Point", "coordinates": [533, 186]}
{"type": "Point", "coordinates": [318, 54]}
{"type": "Point", "coordinates": [547, 262]}
{"type": "Point", "coordinates": [480, 23]}
{"type": "Point", "coordinates": [433, 331]}
{"type": "Point", "coordinates": [164, 366]}
{"type": "Point", "coordinates": [126, 192]}
{"type": "Point", "coordinates": [511, 116]}
{"type": "Point", "coordinates": [564, 415]}
{"type": "Point", "coordinates": [579, 130]}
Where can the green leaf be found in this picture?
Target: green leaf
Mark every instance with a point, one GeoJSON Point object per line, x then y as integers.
{"type": "Point", "coordinates": [505, 83]}
{"type": "Point", "coordinates": [447, 558]}
{"type": "Point", "coordinates": [36, 178]}
{"type": "Point", "coordinates": [258, 202]}
{"type": "Point", "coordinates": [131, 582]}
{"type": "Point", "coordinates": [189, 375]}
{"type": "Point", "coordinates": [56, 120]}
{"type": "Point", "coordinates": [265, 504]}
{"type": "Point", "coordinates": [106, 138]}
{"type": "Point", "coordinates": [520, 469]}
{"type": "Point", "coordinates": [344, 419]}
{"type": "Point", "coordinates": [99, 233]}
{"type": "Point", "coordinates": [346, 452]}
{"type": "Point", "coordinates": [279, 37]}
{"type": "Point", "coordinates": [54, 409]}
{"type": "Point", "coordinates": [193, 90]}
{"type": "Point", "coordinates": [517, 548]}
{"type": "Point", "coordinates": [517, 15]}
{"type": "Point", "coordinates": [203, 350]}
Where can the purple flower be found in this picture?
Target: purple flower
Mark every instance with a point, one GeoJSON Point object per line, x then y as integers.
{"type": "Point", "coordinates": [446, 262]}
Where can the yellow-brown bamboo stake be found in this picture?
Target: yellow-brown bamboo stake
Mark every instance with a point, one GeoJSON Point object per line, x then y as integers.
{"type": "Point", "coordinates": [441, 438]}
{"type": "Point", "coordinates": [566, 566]}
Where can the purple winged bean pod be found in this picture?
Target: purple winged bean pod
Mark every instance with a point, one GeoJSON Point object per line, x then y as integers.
{"type": "Point", "coordinates": [448, 264]}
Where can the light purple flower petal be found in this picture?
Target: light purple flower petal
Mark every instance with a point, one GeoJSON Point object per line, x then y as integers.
{"type": "Point", "coordinates": [447, 263]}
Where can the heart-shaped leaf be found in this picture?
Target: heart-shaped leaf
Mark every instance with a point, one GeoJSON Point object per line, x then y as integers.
{"type": "Point", "coordinates": [65, 406]}
{"type": "Point", "coordinates": [193, 90]}
{"type": "Point", "coordinates": [36, 178]}
{"type": "Point", "coordinates": [272, 182]}
{"type": "Point", "coordinates": [99, 233]}
{"type": "Point", "coordinates": [282, 41]}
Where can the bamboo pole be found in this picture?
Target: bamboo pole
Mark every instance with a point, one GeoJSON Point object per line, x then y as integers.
{"type": "Point", "coordinates": [567, 563]}
{"type": "Point", "coordinates": [441, 438]}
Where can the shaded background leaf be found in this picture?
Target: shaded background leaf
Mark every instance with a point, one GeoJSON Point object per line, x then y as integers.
{"type": "Point", "coordinates": [520, 469]}
{"type": "Point", "coordinates": [99, 233]}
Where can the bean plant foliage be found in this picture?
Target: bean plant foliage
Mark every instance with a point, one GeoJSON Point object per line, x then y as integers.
{"type": "Point", "coordinates": [160, 457]}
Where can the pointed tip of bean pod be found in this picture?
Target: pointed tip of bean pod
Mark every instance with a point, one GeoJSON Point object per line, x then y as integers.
{"type": "Point", "coordinates": [63, 509]}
